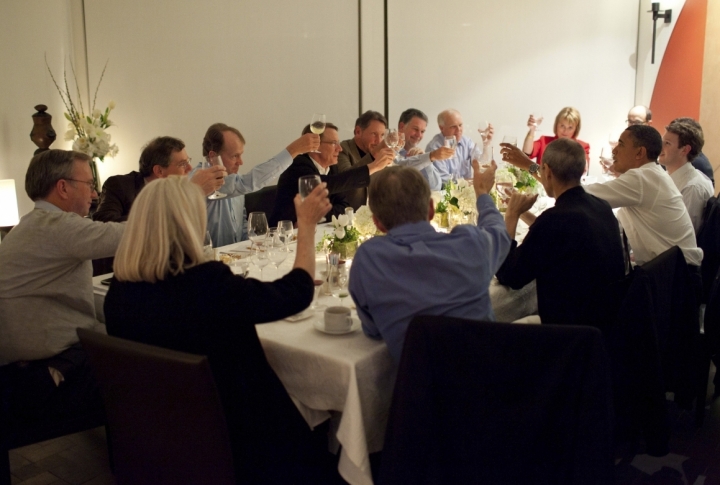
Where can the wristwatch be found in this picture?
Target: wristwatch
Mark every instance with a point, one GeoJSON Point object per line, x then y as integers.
{"type": "Point", "coordinates": [534, 168]}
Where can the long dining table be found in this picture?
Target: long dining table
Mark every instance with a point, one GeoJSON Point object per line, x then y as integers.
{"type": "Point", "coordinates": [347, 378]}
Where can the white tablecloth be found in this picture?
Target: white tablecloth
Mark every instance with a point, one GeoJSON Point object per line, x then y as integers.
{"type": "Point", "coordinates": [350, 375]}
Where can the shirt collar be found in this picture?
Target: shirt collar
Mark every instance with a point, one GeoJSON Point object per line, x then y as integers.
{"type": "Point", "coordinates": [47, 206]}
{"type": "Point", "coordinates": [411, 228]}
{"type": "Point", "coordinates": [682, 172]}
{"type": "Point", "coordinates": [321, 169]}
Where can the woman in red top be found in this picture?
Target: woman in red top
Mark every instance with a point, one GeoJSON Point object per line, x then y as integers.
{"type": "Point", "coordinates": [567, 125]}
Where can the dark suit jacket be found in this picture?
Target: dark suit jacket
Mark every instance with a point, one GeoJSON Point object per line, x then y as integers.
{"type": "Point", "coordinates": [350, 158]}
{"type": "Point", "coordinates": [118, 195]}
{"type": "Point", "coordinates": [287, 188]}
{"type": "Point", "coordinates": [574, 252]}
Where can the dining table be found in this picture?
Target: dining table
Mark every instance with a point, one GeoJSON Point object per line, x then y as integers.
{"type": "Point", "coordinates": [347, 378]}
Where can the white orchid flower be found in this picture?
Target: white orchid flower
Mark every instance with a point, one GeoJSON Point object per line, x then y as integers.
{"type": "Point", "coordinates": [340, 232]}
{"type": "Point", "coordinates": [111, 105]}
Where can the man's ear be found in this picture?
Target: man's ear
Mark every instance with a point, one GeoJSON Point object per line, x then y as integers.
{"type": "Point", "coordinates": [157, 171]}
{"type": "Point", "coordinates": [686, 150]}
{"type": "Point", "coordinates": [357, 131]}
{"type": "Point", "coordinates": [61, 187]}
{"type": "Point", "coordinates": [379, 224]}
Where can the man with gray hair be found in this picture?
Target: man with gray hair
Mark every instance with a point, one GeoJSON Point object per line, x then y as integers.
{"type": "Point", "coordinates": [46, 289]}
{"type": "Point", "coordinates": [572, 250]}
{"type": "Point", "coordinates": [394, 277]}
{"type": "Point", "coordinates": [450, 123]}
{"type": "Point", "coordinates": [683, 140]}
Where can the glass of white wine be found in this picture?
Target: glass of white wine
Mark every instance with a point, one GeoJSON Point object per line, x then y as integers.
{"type": "Point", "coordinates": [538, 120]}
{"type": "Point", "coordinates": [317, 125]}
{"type": "Point", "coordinates": [214, 160]}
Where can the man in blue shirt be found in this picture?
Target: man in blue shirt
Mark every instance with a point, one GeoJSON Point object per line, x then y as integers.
{"type": "Point", "coordinates": [414, 270]}
{"type": "Point", "coordinates": [451, 124]}
{"type": "Point", "coordinates": [227, 221]}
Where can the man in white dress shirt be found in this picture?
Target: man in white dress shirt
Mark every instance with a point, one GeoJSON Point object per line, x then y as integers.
{"type": "Point", "coordinates": [682, 141]}
{"type": "Point", "coordinates": [652, 212]}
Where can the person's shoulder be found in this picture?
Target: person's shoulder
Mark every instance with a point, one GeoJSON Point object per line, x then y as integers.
{"type": "Point", "coordinates": [348, 144]}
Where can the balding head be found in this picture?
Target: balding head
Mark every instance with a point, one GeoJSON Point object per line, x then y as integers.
{"type": "Point", "coordinates": [639, 115]}
{"type": "Point", "coordinates": [451, 123]}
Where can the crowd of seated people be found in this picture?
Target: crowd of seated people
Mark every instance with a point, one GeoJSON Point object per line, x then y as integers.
{"type": "Point", "coordinates": [154, 221]}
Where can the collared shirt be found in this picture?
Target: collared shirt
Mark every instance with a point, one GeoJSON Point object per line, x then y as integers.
{"type": "Point", "coordinates": [459, 165]}
{"type": "Point", "coordinates": [321, 169]}
{"type": "Point", "coordinates": [227, 219]}
{"type": "Point", "coordinates": [696, 188]}
{"type": "Point", "coordinates": [414, 270]}
{"type": "Point", "coordinates": [426, 166]}
{"type": "Point", "coordinates": [652, 213]}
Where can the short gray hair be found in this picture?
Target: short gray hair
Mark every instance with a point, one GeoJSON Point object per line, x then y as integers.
{"type": "Point", "coordinates": [566, 158]}
{"type": "Point", "coordinates": [47, 168]}
{"type": "Point", "coordinates": [443, 114]}
{"type": "Point", "coordinates": [399, 195]}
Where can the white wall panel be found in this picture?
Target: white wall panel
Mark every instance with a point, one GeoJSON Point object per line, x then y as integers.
{"type": "Point", "coordinates": [501, 61]}
{"type": "Point", "coordinates": [262, 66]}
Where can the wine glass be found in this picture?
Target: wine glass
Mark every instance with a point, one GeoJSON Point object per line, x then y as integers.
{"type": "Point", "coordinates": [342, 291]}
{"type": "Point", "coordinates": [307, 184]}
{"type": "Point", "coordinates": [240, 267]}
{"type": "Point", "coordinates": [208, 246]}
{"type": "Point", "coordinates": [450, 142]}
{"type": "Point", "coordinates": [483, 129]}
{"type": "Point", "coordinates": [214, 160]}
{"type": "Point", "coordinates": [477, 154]}
{"type": "Point", "coordinates": [285, 232]}
{"type": "Point", "coordinates": [316, 295]}
{"type": "Point", "coordinates": [317, 125]}
{"type": "Point", "coordinates": [511, 140]}
{"type": "Point", "coordinates": [392, 139]}
{"type": "Point", "coordinates": [257, 227]}
{"type": "Point", "coordinates": [606, 160]}
{"type": "Point", "coordinates": [504, 187]}
{"type": "Point", "coordinates": [275, 250]}
{"type": "Point", "coordinates": [261, 258]}
{"type": "Point", "coordinates": [613, 140]}
{"type": "Point", "coordinates": [538, 120]}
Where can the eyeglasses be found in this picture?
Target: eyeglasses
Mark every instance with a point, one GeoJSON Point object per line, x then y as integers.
{"type": "Point", "coordinates": [634, 122]}
{"type": "Point", "coordinates": [90, 183]}
{"type": "Point", "coordinates": [334, 143]}
{"type": "Point", "coordinates": [185, 163]}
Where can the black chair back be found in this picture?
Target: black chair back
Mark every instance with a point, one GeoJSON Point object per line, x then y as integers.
{"type": "Point", "coordinates": [166, 424]}
{"type": "Point", "coordinates": [261, 201]}
{"type": "Point", "coordinates": [486, 402]}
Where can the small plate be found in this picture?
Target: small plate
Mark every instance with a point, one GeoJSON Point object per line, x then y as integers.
{"type": "Point", "coordinates": [303, 315]}
{"type": "Point", "coordinates": [319, 325]}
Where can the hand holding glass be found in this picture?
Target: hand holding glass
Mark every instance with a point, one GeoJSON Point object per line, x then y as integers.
{"type": "Point", "coordinates": [307, 184]}
{"type": "Point", "coordinates": [214, 160]}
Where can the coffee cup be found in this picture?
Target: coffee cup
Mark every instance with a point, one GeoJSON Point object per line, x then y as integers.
{"type": "Point", "coordinates": [338, 319]}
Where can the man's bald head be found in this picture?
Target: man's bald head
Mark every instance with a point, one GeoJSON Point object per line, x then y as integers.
{"type": "Point", "coordinates": [639, 115]}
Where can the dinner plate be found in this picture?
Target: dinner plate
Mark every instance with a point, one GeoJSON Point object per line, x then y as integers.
{"type": "Point", "coordinates": [319, 325]}
{"type": "Point", "coordinates": [303, 315]}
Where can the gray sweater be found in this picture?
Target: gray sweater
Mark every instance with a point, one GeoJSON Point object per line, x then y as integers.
{"type": "Point", "coordinates": [46, 287]}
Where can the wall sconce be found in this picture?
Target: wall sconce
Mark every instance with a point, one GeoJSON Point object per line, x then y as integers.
{"type": "Point", "coordinates": [8, 204]}
{"type": "Point", "coordinates": [657, 13]}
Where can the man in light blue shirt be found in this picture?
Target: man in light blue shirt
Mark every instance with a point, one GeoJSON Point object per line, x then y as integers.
{"type": "Point", "coordinates": [451, 124]}
{"type": "Point", "coordinates": [414, 270]}
{"type": "Point", "coordinates": [413, 124]}
{"type": "Point", "coordinates": [227, 220]}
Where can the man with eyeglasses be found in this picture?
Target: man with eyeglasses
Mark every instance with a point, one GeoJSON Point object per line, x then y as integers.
{"type": "Point", "coordinates": [162, 157]}
{"type": "Point", "coordinates": [641, 115]}
{"type": "Point", "coordinates": [227, 218]}
{"type": "Point", "coordinates": [46, 289]}
{"type": "Point", "coordinates": [319, 163]}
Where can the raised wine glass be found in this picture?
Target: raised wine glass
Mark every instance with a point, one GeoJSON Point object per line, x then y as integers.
{"type": "Point", "coordinates": [538, 120]}
{"type": "Point", "coordinates": [257, 227]}
{"type": "Point", "coordinates": [214, 160]}
{"type": "Point", "coordinates": [511, 140]}
{"type": "Point", "coordinates": [307, 184]}
{"type": "Point", "coordinates": [317, 125]}
{"type": "Point", "coordinates": [484, 129]}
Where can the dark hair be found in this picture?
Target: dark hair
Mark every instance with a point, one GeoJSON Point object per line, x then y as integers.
{"type": "Point", "coordinates": [158, 152]}
{"type": "Point", "coordinates": [648, 115]}
{"type": "Point", "coordinates": [566, 158]}
{"type": "Point", "coordinates": [399, 195]}
{"type": "Point", "coordinates": [647, 137]}
{"type": "Point", "coordinates": [689, 132]}
{"type": "Point", "coordinates": [330, 126]}
{"type": "Point", "coordinates": [214, 138]}
{"type": "Point", "coordinates": [411, 113]}
{"type": "Point", "coordinates": [369, 116]}
{"type": "Point", "coordinates": [47, 168]}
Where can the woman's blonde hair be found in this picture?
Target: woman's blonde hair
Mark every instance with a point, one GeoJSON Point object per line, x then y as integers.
{"type": "Point", "coordinates": [570, 114]}
{"type": "Point", "coordinates": [164, 233]}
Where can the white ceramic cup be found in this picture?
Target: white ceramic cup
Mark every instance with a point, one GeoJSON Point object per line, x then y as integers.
{"type": "Point", "coordinates": [337, 319]}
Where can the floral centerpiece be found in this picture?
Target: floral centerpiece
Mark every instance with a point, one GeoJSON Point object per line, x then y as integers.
{"type": "Point", "coordinates": [87, 131]}
{"type": "Point", "coordinates": [455, 204]}
{"type": "Point", "coordinates": [524, 181]}
{"type": "Point", "coordinates": [348, 234]}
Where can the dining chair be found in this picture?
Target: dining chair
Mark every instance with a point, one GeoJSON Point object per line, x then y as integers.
{"type": "Point", "coordinates": [262, 200]}
{"type": "Point", "coordinates": [166, 424]}
{"type": "Point", "coordinates": [487, 402]}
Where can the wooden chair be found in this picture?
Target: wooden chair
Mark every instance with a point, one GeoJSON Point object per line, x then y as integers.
{"type": "Point", "coordinates": [487, 402]}
{"type": "Point", "coordinates": [166, 424]}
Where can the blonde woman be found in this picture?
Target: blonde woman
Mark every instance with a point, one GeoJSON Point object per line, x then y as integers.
{"type": "Point", "coordinates": [567, 125]}
{"type": "Point", "coordinates": [166, 293]}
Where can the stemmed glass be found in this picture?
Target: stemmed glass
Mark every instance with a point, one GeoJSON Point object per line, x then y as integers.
{"type": "Point", "coordinates": [538, 120]}
{"type": "Point", "coordinates": [606, 160]}
{"type": "Point", "coordinates": [483, 129]}
{"type": "Point", "coordinates": [276, 254]}
{"type": "Point", "coordinates": [261, 258]}
{"type": "Point", "coordinates": [392, 139]}
{"type": "Point", "coordinates": [208, 246]}
{"type": "Point", "coordinates": [307, 184]}
{"type": "Point", "coordinates": [214, 160]}
{"type": "Point", "coordinates": [317, 125]}
{"type": "Point", "coordinates": [510, 140]}
{"type": "Point", "coordinates": [257, 227]}
{"type": "Point", "coordinates": [342, 291]}
{"type": "Point", "coordinates": [285, 232]}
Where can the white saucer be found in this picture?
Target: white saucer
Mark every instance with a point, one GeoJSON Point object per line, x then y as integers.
{"type": "Point", "coordinates": [303, 315]}
{"type": "Point", "coordinates": [319, 325]}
